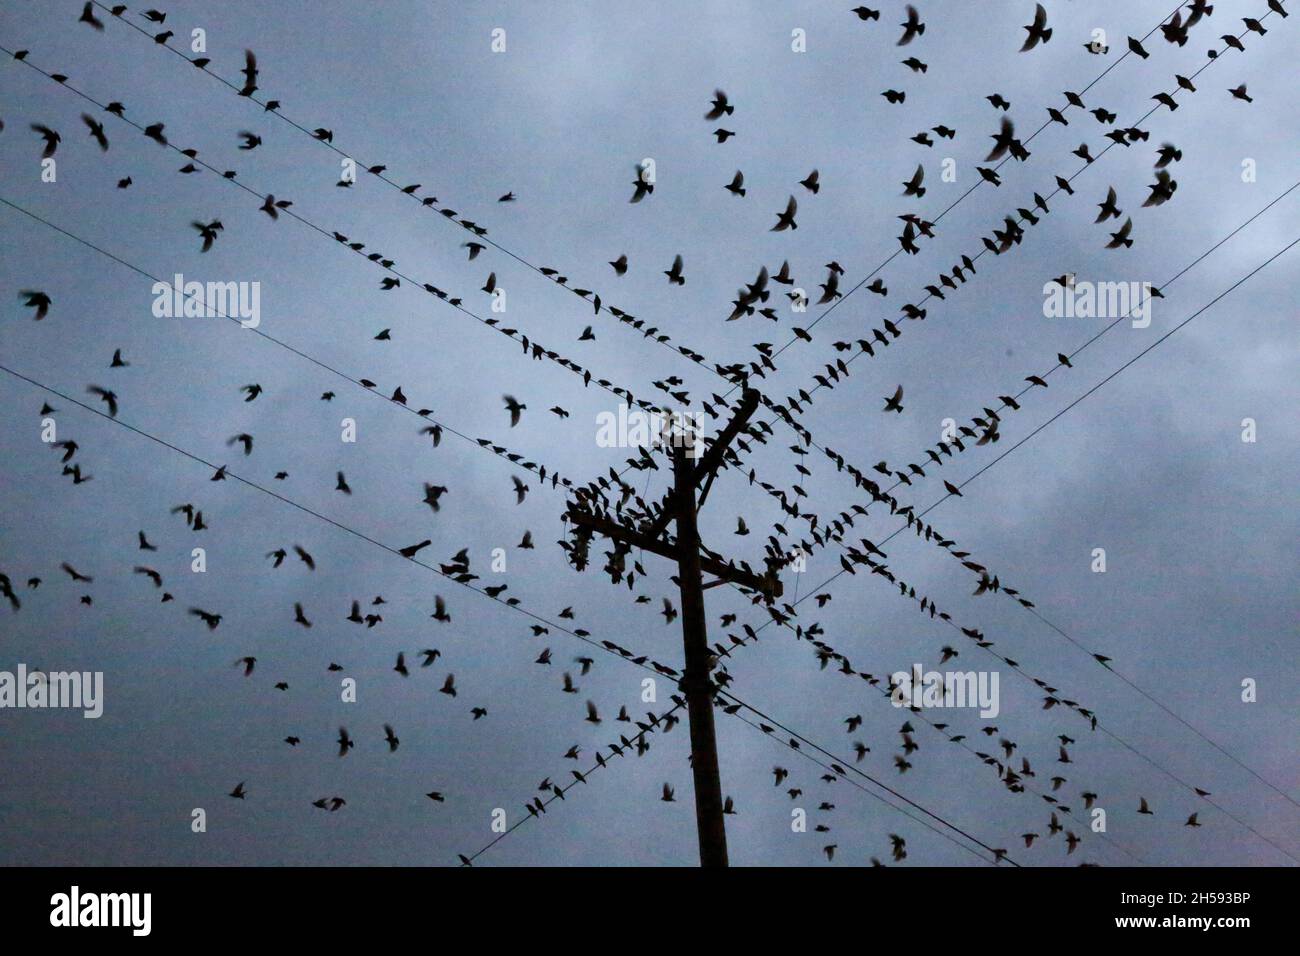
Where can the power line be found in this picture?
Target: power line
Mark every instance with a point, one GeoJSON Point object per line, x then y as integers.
{"type": "Point", "coordinates": [434, 205]}
{"type": "Point", "coordinates": [607, 647]}
{"type": "Point", "coordinates": [1044, 425]}
{"type": "Point", "coordinates": [600, 764]}
{"type": "Point", "coordinates": [840, 762]}
{"type": "Point", "coordinates": [1002, 163]}
{"type": "Point", "coordinates": [875, 796]}
{"type": "Point", "coordinates": [478, 443]}
{"type": "Point", "coordinates": [530, 347]}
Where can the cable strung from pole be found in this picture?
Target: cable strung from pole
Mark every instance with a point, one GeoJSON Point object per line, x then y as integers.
{"type": "Point", "coordinates": [530, 346]}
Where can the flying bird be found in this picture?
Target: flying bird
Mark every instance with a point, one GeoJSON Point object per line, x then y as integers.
{"type": "Point", "coordinates": [785, 220]}
{"type": "Point", "coordinates": [1038, 31]}
{"type": "Point", "coordinates": [96, 131]}
{"type": "Point", "coordinates": [514, 407]}
{"type": "Point", "coordinates": [720, 105]}
{"type": "Point", "coordinates": [912, 26]}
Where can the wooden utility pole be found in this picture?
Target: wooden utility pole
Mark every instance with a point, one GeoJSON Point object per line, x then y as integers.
{"type": "Point", "coordinates": [680, 506]}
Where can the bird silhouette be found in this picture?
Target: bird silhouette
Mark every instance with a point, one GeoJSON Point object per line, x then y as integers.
{"type": "Point", "coordinates": [1038, 31]}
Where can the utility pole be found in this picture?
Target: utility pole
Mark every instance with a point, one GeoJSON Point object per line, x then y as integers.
{"type": "Point", "coordinates": [680, 507]}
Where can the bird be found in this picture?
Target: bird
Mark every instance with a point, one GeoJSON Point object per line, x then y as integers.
{"type": "Point", "coordinates": [620, 264]}
{"type": "Point", "coordinates": [1241, 94]}
{"type": "Point", "coordinates": [508, 197]}
{"type": "Point", "coordinates": [390, 738]}
{"type": "Point", "coordinates": [1003, 140]}
{"type": "Point", "coordinates": [211, 620]}
{"type": "Point", "coordinates": [811, 182]}
{"type": "Point", "coordinates": [785, 220]}
{"type": "Point", "coordinates": [913, 187]}
{"type": "Point", "coordinates": [674, 274]}
{"type": "Point", "coordinates": [250, 140]}
{"type": "Point", "coordinates": [1143, 808]}
{"type": "Point", "coordinates": [1192, 821]}
{"type": "Point", "coordinates": [521, 489]}
{"type": "Point", "coordinates": [208, 232]}
{"type": "Point", "coordinates": [723, 134]}
{"type": "Point", "coordinates": [912, 27]}
{"type": "Point", "coordinates": [1121, 238]}
{"type": "Point", "coordinates": [107, 397]}
{"type": "Point", "coordinates": [514, 407]}
{"type": "Point", "coordinates": [250, 74]}
{"type": "Point", "coordinates": [894, 403]}
{"type": "Point", "coordinates": [667, 794]}
{"type": "Point", "coordinates": [37, 300]}
{"type": "Point", "coordinates": [736, 187]}
{"type": "Point", "coordinates": [88, 17]}
{"type": "Point", "coordinates": [669, 612]}
{"type": "Point", "coordinates": [345, 742]}
{"type": "Point", "coordinates": [720, 106]}
{"type": "Point", "coordinates": [239, 791]}
{"type": "Point", "coordinates": [1168, 153]}
{"type": "Point", "coordinates": [1108, 208]}
{"type": "Point", "coordinates": [96, 131]}
{"type": "Point", "coordinates": [1038, 30]}
{"type": "Point", "coordinates": [643, 186]}
{"type": "Point", "coordinates": [448, 686]}
{"type": "Point", "coordinates": [52, 139]}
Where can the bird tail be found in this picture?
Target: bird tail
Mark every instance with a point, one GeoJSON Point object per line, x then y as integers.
{"type": "Point", "coordinates": [1047, 34]}
{"type": "Point", "coordinates": [920, 191]}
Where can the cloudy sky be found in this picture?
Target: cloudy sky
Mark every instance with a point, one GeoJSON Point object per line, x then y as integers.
{"type": "Point", "coordinates": [1199, 527]}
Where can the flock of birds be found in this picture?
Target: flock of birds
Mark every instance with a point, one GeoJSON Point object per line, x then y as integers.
{"type": "Point", "coordinates": [753, 299]}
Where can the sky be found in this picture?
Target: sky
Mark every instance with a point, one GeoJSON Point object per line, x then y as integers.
{"type": "Point", "coordinates": [1198, 526]}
